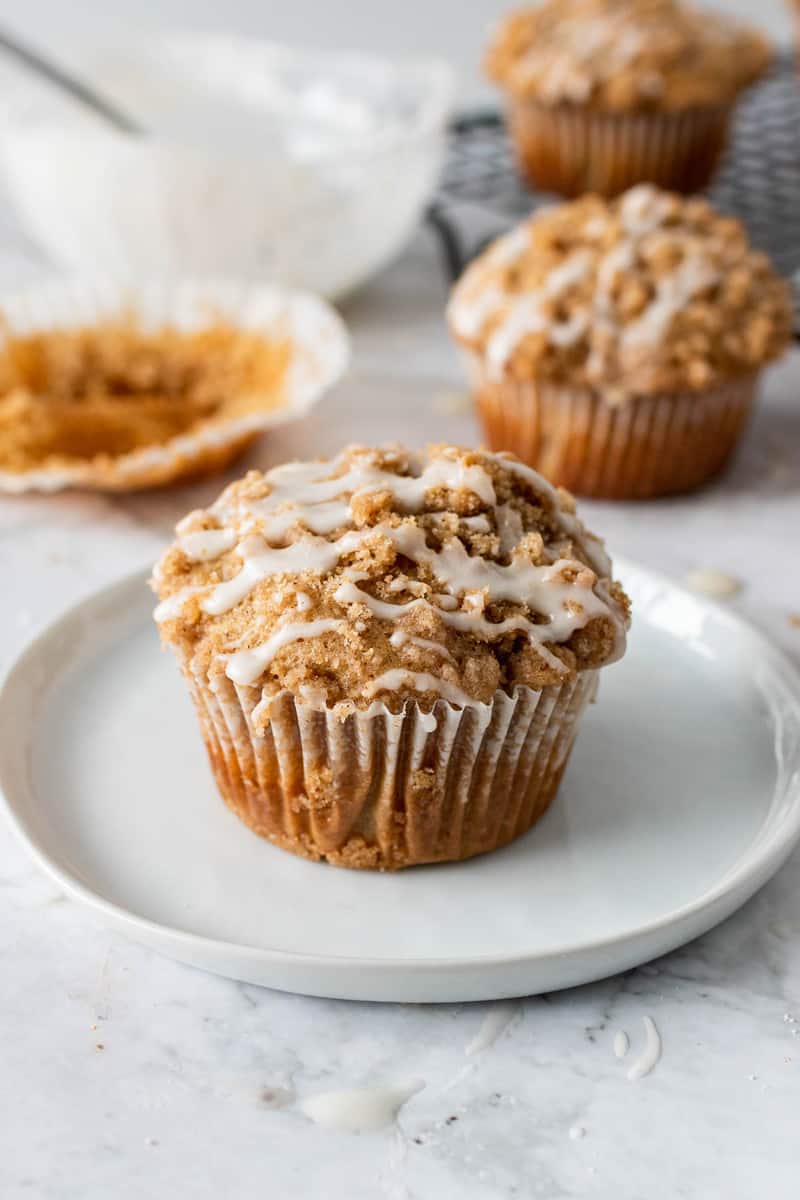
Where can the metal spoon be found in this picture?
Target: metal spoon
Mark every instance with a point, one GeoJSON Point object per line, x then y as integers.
{"type": "Point", "coordinates": [100, 105]}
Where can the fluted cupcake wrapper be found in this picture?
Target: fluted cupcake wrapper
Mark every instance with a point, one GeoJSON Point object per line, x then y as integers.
{"type": "Point", "coordinates": [642, 447]}
{"type": "Point", "coordinates": [378, 789]}
{"type": "Point", "coordinates": [572, 150]}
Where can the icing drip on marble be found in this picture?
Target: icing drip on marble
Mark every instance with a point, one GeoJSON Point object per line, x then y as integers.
{"type": "Point", "coordinates": [621, 1043]}
{"type": "Point", "coordinates": [647, 1060]}
{"type": "Point", "coordinates": [359, 1110]}
{"type": "Point", "coordinates": [495, 1023]}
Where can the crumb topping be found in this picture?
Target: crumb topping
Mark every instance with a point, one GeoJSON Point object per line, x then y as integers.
{"type": "Point", "coordinates": [648, 293]}
{"type": "Point", "coordinates": [98, 392]}
{"type": "Point", "coordinates": [623, 55]}
{"type": "Point", "coordinates": [385, 574]}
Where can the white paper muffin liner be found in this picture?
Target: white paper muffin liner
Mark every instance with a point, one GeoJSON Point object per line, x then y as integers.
{"type": "Point", "coordinates": [638, 448]}
{"type": "Point", "coordinates": [572, 150]}
{"type": "Point", "coordinates": [376, 789]}
{"type": "Point", "coordinates": [320, 354]}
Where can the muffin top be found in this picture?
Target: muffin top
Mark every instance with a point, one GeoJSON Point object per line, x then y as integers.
{"type": "Point", "coordinates": [386, 575]}
{"type": "Point", "coordinates": [648, 293]}
{"type": "Point", "coordinates": [623, 55]}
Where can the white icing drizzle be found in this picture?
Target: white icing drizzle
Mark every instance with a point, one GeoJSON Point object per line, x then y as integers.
{"type": "Point", "coordinates": [245, 666]}
{"type": "Point", "coordinates": [621, 1043]}
{"type": "Point", "coordinates": [641, 212]}
{"type": "Point", "coordinates": [203, 545]}
{"type": "Point", "coordinates": [496, 1021]}
{"type": "Point", "coordinates": [651, 1053]}
{"type": "Point", "coordinates": [672, 294]}
{"type": "Point", "coordinates": [400, 638]}
{"type": "Point", "coordinates": [448, 603]}
{"type": "Point", "coordinates": [172, 606]}
{"type": "Point", "coordinates": [470, 313]}
{"type": "Point", "coordinates": [307, 486]}
{"type": "Point", "coordinates": [509, 528]}
{"type": "Point", "coordinates": [260, 561]}
{"type": "Point", "coordinates": [420, 681]}
{"type": "Point", "coordinates": [359, 1110]}
{"type": "Point", "coordinates": [414, 586]}
{"type": "Point", "coordinates": [305, 496]}
{"type": "Point", "coordinates": [467, 622]}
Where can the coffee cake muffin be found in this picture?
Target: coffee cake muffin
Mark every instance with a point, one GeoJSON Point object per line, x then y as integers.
{"type": "Point", "coordinates": [389, 651]}
{"type": "Point", "coordinates": [616, 345]}
{"type": "Point", "coordinates": [603, 94]}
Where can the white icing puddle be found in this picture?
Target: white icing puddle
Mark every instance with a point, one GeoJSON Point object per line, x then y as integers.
{"type": "Point", "coordinates": [651, 1053]}
{"type": "Point", "coordinates": [359, 1110]}
{"type": "Point", "coordinates": [496, 1021]}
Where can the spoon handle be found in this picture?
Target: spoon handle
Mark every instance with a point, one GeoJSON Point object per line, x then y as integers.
{"type": "Point", "coordinates": [76, 88]}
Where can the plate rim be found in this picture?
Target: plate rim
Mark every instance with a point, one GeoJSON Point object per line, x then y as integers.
{"type": "Point", "coordinates": [738, 883]}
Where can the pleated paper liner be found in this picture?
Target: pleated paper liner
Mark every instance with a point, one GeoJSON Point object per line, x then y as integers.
{"type": "Point", "coordinates": [387, 790]}
{"type": "Point", "coordinates": [636, 449]}
{"type": "Point", "coordinates": [319, 356]}
{"type": "Point", "coordinates": [572, 150]}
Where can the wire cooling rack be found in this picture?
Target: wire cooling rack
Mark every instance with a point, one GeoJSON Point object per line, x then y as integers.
{"type": "Point", "coordinates": [758, 180]}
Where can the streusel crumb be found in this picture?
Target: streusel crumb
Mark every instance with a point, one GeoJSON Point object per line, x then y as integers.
{"type": "Point", "coordinates": [105, 390]}
{"type": "Point", "coordinates": [385, 574]}
{"type": "Point", "coordinates": [646, 294]}
{"type": "Point", "coordinates": [625, 55]}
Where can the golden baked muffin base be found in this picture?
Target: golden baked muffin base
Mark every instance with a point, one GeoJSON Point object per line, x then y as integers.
{"type": "Point", "coordinates": [644, 447]}
{"type": "Point", "coordinates": [572, 150]}
{"type": "Point", "coordinates": [385, 791]}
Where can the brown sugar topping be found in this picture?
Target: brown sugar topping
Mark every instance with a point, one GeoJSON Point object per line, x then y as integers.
{"type": "Point", "coordinates": [625, 55]}
{"type": "Point", "coordinates": [386, 574]}
{"type": "Point", "coordinates": [648, 293]}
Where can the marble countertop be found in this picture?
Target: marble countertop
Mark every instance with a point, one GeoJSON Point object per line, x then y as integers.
{"type": "Point", "coordinates": [126, 1075]}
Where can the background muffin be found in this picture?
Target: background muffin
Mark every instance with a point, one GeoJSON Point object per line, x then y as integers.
{"type": "Point", "coordinates": [389, 651]}
{"type": "Point", "coordinates": [616, 345]}
{"type": "Point", "coordinates": [603, 94]}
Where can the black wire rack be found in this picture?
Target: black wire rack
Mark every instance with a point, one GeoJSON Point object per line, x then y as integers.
{"type": "Point", "coordinates": [758, 180]}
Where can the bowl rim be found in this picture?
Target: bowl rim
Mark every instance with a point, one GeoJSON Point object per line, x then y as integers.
{"type": "Point", "coordinates": [435, 79]}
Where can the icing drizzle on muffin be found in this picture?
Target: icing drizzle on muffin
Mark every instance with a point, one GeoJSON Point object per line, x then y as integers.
{"type": "Point", "coordinates": [390, 574]}
{"type": "Point", "coordinates": [644, 294]}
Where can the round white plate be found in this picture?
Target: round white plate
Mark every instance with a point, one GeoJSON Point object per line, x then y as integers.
{"type": "Point", "coordinates": [681, 799]}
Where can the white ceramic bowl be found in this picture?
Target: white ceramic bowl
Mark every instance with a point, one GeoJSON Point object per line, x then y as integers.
{"type": "Point", "coordinates": [309, 169]}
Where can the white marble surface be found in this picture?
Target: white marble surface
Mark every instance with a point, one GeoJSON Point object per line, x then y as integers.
{"type": "Point", "coordinates": [125, 1075]}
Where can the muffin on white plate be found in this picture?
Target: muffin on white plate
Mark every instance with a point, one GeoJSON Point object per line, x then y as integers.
{"type": "Point", "coordinates": [389, 652]}
{"type": "Point", "coordinates": [122, 388]}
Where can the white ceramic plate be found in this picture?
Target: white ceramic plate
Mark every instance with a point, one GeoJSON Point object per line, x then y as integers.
{"type": "Point", "coordinates": [681, 799]}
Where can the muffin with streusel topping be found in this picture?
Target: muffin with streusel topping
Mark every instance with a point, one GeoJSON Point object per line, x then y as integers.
{"type": "Point", "coordinates": [389, 651]}
{"type": "Point", "coordinates": [603, 94]}
{"type": "Point", "coordinates": [616, 345]}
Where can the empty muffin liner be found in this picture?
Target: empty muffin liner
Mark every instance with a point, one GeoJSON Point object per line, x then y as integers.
{"type": "Point", "coordinates": [571, 150]}
{"type": "Point", "coordinates": [319, 356]}
{"type": "Point", "coordinates": [641, 447]}
{"type": "Point", "coordinates": [376, 789]}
